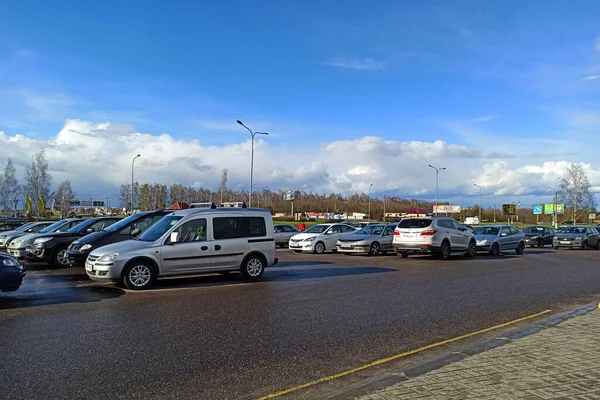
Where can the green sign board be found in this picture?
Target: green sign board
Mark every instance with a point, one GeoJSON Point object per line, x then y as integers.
{"type": "Point", "coordinates": [549, 208]}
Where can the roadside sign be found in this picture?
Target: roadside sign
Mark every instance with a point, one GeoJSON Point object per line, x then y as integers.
{"type": "Point", "coordinates": [537, 210]}
{"type": "Point", "coordinates": [509, 209]}
{"type": "Point", "coordinates": [444, 208]}
{"type": "Point", "coordinates": [592, 216]}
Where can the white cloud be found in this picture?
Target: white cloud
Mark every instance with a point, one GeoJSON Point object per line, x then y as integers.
{"type": "Point", "coordinates": [597, 44]}
{"type": "Point", "coordinates": [355, 63]}
{"type": "Point", "coordinates": [98, 155]}
{"type": "Point", "coordinates": [591, 77]}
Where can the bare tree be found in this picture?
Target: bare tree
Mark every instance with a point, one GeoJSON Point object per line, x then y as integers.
{"type": "Point", "coordinates": [223, 186]}
{"type": "Point", "coordinates": [38, 179]}
{"type": "Point", "coordinates": [125, 196]}
{"type": "Point", "coordinates": [63, 195]}
{"type": "Point", "coordinates": [575, 191]}
{"type": "Point", "coordinates": [9, 186]}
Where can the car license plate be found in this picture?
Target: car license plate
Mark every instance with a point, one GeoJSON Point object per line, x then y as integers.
{"type": "Point", "coordinates": [89, 267]}
{"type": "Point", "coordinates": [345, 246]}
{"type": "Point", "coordinates": [409, 234]}
{"type": "Point", "coordinates": [294, 245]}
{"type": "Point", "coordinates": [565, 242]}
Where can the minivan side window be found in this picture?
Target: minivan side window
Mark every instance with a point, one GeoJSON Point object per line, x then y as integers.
{"type": "Point", "coordinates": [238, 227]}
{"type": "Point", "coordinates": [192, 231]}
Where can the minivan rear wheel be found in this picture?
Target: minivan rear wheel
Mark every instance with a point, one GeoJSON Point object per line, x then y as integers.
{"type": "Point", "coordinates": [253, 267]}
{"type": "Point", "coordinates": [139, 275]}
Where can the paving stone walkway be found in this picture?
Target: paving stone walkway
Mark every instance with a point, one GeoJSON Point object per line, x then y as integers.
{"type": "Point", "coordinates": [561, 362]}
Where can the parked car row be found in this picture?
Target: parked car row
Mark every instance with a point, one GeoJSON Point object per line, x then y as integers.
{"type": "Point", "coordinates": [439, 236]}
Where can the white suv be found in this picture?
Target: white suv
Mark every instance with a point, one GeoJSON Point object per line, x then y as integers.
{"type": "Point", "coordinates": [439, 236]}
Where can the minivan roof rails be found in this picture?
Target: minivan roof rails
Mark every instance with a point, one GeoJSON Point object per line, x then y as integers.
{"type": "Point", "coordinates": [203, 205]}
{"type": "Point", "coordinates": [241, 204]}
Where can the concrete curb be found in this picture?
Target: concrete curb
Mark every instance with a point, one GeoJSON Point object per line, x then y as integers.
{"type": "Point", "coordinates": [380, 382]}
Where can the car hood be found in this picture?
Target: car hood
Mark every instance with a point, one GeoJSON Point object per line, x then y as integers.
{"type": "Point", "coordinates": [93, 237]}
{"type": "Point", "coordinates": [58, 235]}
{"type": "Point", "coordinates": [27, 238]}
{"type": "Point", "coordinates": [14, 234]}
{"type": "Point", "coordinates": [532, 234]}
{"type": "Point", "coordinates": [358, 236]}
{"type": "Point", "coordinates": [121, 247]}
{"type": "Point", "coordinates": [302, 236]}
{"type": "Point", "coordinates": [568, 235]}
{"type": "Point", "coordinates": [485, 237]}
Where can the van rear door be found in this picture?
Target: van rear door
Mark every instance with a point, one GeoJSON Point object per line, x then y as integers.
{"type": "Point", "coordinates": [230, 233]}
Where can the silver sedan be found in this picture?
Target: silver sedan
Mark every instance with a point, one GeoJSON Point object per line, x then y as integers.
{"type": "Point", "coordinates": [497, 238]}
{"type": "Point", "coordinates": [283, 233]}
{"type": "Point", "coordinates": [373, 240]}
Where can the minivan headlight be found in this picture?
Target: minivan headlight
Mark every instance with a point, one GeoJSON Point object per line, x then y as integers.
{"type": "Point", "coordinates": [108, 258]}
{"type": "Point", "coordinates": [2, 236]}
{"type": "Point", "coordinates": [86, 247]}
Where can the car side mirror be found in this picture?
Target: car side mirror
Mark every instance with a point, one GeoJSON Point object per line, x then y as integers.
{"type": "Point", "coordinates": [136, 232]}
{"type": "Point", "coordinates": [462, 228]}
{"type": "Point", "coordinates": [90, 230]}
{"type": "Point", "coordinates": [503, 234]}
{"type": "Point", "coordinates": [174, 238]}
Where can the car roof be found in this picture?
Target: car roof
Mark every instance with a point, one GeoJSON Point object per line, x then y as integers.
{"type": "Point", "coordinates": [208, 210]}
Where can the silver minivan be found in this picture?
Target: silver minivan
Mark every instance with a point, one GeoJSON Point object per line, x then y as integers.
{"type": "Point", "coordinates": [192, 241]}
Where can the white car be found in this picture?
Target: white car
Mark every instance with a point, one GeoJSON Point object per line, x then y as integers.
{"type": "Point", "coordinates": [320, 238]}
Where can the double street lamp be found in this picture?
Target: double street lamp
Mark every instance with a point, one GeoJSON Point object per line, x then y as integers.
{"type": "Point", "coordinates": [479, 201]}
{"type": "Point", "coordinates": [437, 185]}
{"type": "Point", "coordinates": [251, 158]}
{"type": "Point", "coordinates": [134, 158]}
{"type": "Point", "coordinates": [555, 190]}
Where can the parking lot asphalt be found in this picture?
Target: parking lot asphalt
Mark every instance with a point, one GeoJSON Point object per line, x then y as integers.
{"type": "Point", "coordinates": [311, 316]}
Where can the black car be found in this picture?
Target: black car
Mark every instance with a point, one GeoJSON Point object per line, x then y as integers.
{"type": "Point", "coordinates": [11, 273]}
{"type": "Point", "coordinates": [538, 236]}
{"type": "Point", "coordinates": [125, 229]}
{"type": "Point", "coordinates": [52, 247]}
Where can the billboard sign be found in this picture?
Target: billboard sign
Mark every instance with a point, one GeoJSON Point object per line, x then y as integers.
{"type": "Point", "coordinates": [443, 208]}
{"type": "Point", "coordinates": [549, 208]}
{"type": "Point", "coordinates": [509, 209]}
{"type": "Point", "coordinates": [537, 210]}
{"type": "Point", "coordinates": [290, 195]}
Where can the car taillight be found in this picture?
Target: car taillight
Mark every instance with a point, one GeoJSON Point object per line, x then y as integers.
{"type": "Point", "coordinates": [428, 233]}
{"type": "Point", "coordinates": [396, 233]}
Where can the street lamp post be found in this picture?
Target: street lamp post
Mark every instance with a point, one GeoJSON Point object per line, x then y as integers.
{"type": "Point", "coordinates": [384, 185]}
{"type": "Point", "coordinates": [251, 158]}
{"type": "Point", "coordinates": [139, 155]}
{"type": "Point", "coordinates": [437, 185]}
{"type": "Point", "coordinates": [16, 205]}
{"type": "Point", "coordinates": [369, 215]}
{"type": "Point", "coordinates": [479, 201]}
{"type": "Point", "coordinates": [554, 216]}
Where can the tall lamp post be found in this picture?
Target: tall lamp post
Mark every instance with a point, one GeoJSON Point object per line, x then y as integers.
{"type": "Point", "coordinates": [251, 158]}
{"type": "Point", "coordinates": [132, 162]}
{"type": "Point", "coordinates": [479, 202]}
{"type": "Point", "coordinates": [16, 200]}
{"type": "Point", "coordinates": [384, 185]}
{"type": "Point", "coordinates": [555, 190]}
{"type": "Point", "coordinates": [370, 186]}
{"type": "Point", "coordinates": [437, 185]}
{"type": "Point", "coordinates": [494, 209]}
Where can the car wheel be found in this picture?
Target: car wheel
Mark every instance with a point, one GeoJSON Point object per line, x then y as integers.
{"type": "Point", "coordinates": [584, 245]}
{"type": "Point", "coordinates": [253, 267]}
{"type": "Point", "coordinates": [319, 247]}
{"type": "Point", "coordinates": [403, 255]}
{"type": "Point", "coordinates": [297, 251]}
{"type": "Point", "coordinates": [520, 248]}
{"type": "Point", "coordinates": [597, 245]}
{"type": "Point", "coordinates": [374, 250]}
{"type": "Point", "coordinates": [555, 247]}
{"type": "Point", "coordinates": [540, 244]}
{"type": "Point", "coordinates": [445, 251]}
{"type": "Point", "coordinates": [472, 249]}
{"type": "Point", "coordinates": [495, 250]}
{"type": "Point", "coordinates": [139, 275]}
{"type": "Point", "coordinates": [60, 258]}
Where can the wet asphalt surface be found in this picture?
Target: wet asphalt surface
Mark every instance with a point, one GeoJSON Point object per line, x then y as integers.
{"type": "Point", "coordinates": [212, 337]}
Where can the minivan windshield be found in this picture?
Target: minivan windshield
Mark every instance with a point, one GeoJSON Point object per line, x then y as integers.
{"type": "Point", "coordinates": [55, 226]}
{"type": "Point", "coordinates": [159, 229]}
{"type": "Point", "coordinates": [414, 223]}
{"type": "Point", "coordinates": [317, 229]}
{"type": "Point", "coordinates": [124, 222]}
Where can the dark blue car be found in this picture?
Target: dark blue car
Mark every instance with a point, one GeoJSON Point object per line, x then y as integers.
{"type": "Point", "coordinates": [11, 273]}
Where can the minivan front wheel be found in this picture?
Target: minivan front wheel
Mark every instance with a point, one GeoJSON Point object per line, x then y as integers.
{"type": "Point", "coordinates": [139, 275]}
{"type": "Point", "coordinates": [253, 267]}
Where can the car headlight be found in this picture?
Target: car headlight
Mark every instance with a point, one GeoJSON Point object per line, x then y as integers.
{"type": "Point", "coordinates": [310, 239]}
{"type": "Point", "coordinates": [2, 236]}
{"type": "Point", "coordinates": [9, 262]}
{"type": "Point", "coordinates": [339, 243]}
{"type": "Point", "coordinates": [86, 247]}
{"type": "Point", "coordinates": [482, 242]}
{"type": "Point", "coordinates": [42, 240]}
{"type": "Point", "coordinates": [534, 237]}
{"type": "Point", "coordinates": [108, 258]}
{"type": "Point", "coordinates": [579, 238]}
{"type": "Point", "coordinates": [359, 243]}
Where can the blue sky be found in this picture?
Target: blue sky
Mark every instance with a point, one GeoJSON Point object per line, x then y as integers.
{"type": "Point", "coordinates": [513, 77]}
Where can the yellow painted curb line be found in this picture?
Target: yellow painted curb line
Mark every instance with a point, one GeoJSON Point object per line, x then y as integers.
{"type": "Point", "coordinates": [397, 356]}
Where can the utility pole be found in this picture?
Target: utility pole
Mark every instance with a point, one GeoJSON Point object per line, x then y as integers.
{"type": "Point", "coordinates": [369, 215]}
{"type": "Point", "coordinates": [494, 209]}
{"type": "Point", "coordinates": [479, 202]}
{"type": "Point", "coordinates": [437, 185]}
{"type": "Point", "coordinates": [139, 155]}
{"type": "Point", "coordinates": [384, 201]}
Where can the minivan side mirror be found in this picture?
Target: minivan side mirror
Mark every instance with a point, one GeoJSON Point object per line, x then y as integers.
{"type": "Point", "coordinates": [174, 238]}
{"type": "Point", "coordinates": [136, 232]}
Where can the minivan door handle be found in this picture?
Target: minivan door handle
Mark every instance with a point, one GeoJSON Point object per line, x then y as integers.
{"type": "Point", "coordinates": [204, 248]}
{"type": "Point", "coordinates": [217, 247]}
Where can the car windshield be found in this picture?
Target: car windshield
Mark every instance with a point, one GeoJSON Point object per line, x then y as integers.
{"type": "Point", "coordinates": [23, 227]}
{"type": "Point", "coordinates": [534, 229]}
{"type": "Point", "coordinates": [124, 222]}
{"type": "Point", "coordinates": [82, 226]}
{"type": "Point", "coordinates": [54, 227]}
{"type": "Point", "coordinates": [317, 229]}
{"type": "Point", "coordinates": [572, 229]}
{"type": "Point", "coordinates": [414, 223]}
{"type": "Point", "coordinates": [159, 229]}
{"type": "Point", "coordinates": [486, 230]}
{"type": "Point", "coordinates": [371, 230]}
